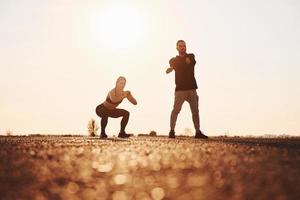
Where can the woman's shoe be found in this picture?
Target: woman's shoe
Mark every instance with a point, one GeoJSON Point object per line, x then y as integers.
{"type": "Point", "coordinates": [103, 135]}
{"type": "Point", "coordinates": [172, 134]}
{"type": "Point", "coordinates": [123, 135]}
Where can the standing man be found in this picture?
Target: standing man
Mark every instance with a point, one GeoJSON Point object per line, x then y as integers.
{"type": "Point", "coordinates": [186, 86]}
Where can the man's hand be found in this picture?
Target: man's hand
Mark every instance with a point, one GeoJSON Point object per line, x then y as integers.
{"type": "Point", "coordinates": [170, 69]}
{"type": "Point", "coordinates": [187, 60]}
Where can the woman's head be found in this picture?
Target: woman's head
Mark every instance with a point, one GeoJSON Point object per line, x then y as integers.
{"type": "Point", "coordinates": [121, 82]}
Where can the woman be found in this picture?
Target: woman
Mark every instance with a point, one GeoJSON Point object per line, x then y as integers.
{"type": "Point", "coordinates": [109, 107]}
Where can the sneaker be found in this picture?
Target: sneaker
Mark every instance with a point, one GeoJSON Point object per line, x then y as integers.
{"type": "Point", "coordinates": [124, 135]}
{"type": "Point", "coordinates": [103, 135]}
{"type": "Point", "coordinates": [172, 134]}
{"type": "Point", "coordinates": [200, 135]}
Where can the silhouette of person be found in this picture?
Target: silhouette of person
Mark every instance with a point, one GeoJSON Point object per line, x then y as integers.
{"type": "Point", "coordinates": [109, 107]}
{"type": "Point", "coordinates": [183, 65]}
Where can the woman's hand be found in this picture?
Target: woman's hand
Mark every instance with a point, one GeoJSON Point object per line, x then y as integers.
{"type": "Point", "coordinates": [126, 93]}
{"type": "Point", "coordinates": [130, 97]}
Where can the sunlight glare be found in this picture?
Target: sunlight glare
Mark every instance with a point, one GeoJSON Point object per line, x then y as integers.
{"type": "Point", "coordinates": [119, 27]}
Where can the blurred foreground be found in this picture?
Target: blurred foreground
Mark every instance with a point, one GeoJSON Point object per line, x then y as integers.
{"type": "Point", "coordinates": [54, 167]}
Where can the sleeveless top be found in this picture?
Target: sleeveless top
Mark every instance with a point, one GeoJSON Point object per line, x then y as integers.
{"type": "Point", "coordinates": [110, 101]}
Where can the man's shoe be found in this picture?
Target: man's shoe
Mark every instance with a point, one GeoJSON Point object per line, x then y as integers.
{"type": "Point", "coordinates": [103, 135]}
{"type": "Point", "coordinates": [172, 134]}
{"type": "Point", "coordinates": [124, 135]}
{"type": "Point", "coordinates": [200, 135]}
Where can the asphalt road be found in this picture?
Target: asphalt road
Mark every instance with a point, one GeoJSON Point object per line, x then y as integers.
{"type": "Point", "coordinates": [56, 167]}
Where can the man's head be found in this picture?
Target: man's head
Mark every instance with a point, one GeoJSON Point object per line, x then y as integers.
{"type": "Point", "coordinates": [181, 47]}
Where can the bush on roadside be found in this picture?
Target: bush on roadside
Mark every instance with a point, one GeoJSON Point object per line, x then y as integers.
{"type": "Point", "coordinates": [153, 133]}
{"type": "Point", "coordinates": [9, 133]}
{"type": "Point", "coordinates": [92, 128]}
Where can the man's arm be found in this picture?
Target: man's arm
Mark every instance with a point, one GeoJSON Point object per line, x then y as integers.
{"type": "Point", "coordinates": [172, 65]}
{"type": "Point", "coordinates": [170, 69]}
{"type": "Point", "coordinates": [192, 59]}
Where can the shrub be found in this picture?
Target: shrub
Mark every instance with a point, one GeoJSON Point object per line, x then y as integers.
{"type": "Point", "coordinates": [152, 133]}
{"type": "Point", "coordinates": [92, 128]}
{"type": "Point", "coordinates": [9, 133]}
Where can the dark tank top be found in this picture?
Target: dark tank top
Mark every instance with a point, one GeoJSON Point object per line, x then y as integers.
{"type": "Point", "coordinates": [110, 101]}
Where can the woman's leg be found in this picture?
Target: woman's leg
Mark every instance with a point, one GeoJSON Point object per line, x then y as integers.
{"type": "Point", "coordinates": [103, 125]}
{"type": "Point", "coordinates": [124, 121]}
{"type": "Point", "coordinates": [115, 113]}
{"type": "Point", "coordinates": [101, 111]}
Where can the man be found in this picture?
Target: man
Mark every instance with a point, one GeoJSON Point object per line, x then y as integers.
{"type": "Point", "coordinates": [186, 86]}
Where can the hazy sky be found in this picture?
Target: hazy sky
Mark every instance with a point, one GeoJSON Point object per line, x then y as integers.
{"type": "Point", "coordinates": [59, 58]}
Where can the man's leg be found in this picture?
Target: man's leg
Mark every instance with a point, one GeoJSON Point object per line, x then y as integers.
{"type": "Point", "coordinates": [193, 100]}
{"type": "Point", "coordinates": [180, 97]}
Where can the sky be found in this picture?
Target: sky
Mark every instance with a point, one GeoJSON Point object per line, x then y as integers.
{"type": "Point", "coordinates": [59, 59]}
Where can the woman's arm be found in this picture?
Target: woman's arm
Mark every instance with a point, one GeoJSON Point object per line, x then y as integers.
{"type": "Point", "coordinates": [130, 97]}
{"type": "Point", "coordinates": [113, 96]}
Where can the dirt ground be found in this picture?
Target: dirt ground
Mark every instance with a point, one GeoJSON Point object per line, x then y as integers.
{"type": "Point", "coordinates": [56, 167]}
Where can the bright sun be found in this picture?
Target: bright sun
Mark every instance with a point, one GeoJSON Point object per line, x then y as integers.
{"type": "Point", "coordinates": [119, 27]}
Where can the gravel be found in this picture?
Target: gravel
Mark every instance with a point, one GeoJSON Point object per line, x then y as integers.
{"type": "Point", "coordinates": [57, 167]}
